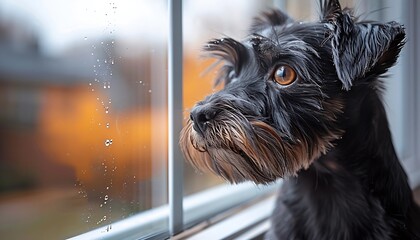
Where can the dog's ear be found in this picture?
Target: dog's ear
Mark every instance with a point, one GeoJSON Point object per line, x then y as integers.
{"type": "Point", "coordinates": [269, 19]}
{"type": "Point", "coordinates": [360, 49]}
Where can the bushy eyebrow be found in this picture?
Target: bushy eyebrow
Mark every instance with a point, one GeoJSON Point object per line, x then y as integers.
{"type": "Point", "coordinates": [229, 50]}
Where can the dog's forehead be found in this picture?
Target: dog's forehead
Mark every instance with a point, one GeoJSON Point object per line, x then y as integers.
{"type": "Point", "coordinates": [302, 30]}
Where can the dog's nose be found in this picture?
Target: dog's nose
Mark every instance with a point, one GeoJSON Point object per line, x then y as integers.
{"type": "Point", "coordinates": [201, 115]}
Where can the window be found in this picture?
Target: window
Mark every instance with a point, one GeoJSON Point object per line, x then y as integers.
{"type": "Point", "coordinates": [83, 93]}
{"type": "Point", "coordinates": [84, 100]}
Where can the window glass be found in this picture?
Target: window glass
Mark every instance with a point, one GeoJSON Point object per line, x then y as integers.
{"type": "Point", "coordinates": [83, 114]}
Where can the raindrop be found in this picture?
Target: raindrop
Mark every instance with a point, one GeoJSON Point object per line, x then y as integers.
{"type": "Point", "coordinates": [106, 109]}
{"type": "Point", "coordinates": [108, 142]}
{"type": "Point", "coordinates": [112, 61]}
{"type": "Point", "coordinates": [85, 38]}
{"type": "Point", "coordinates": [107, 126]}
{"type": "Point", "coordinates": [106, 197]}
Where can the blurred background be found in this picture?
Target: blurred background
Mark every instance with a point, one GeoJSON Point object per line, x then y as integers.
{"type": "Point", "coordinates": [83, 94]}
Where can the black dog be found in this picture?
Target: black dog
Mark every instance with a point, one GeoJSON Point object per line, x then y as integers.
{"type": "Point", "coordinates": [302, 101]}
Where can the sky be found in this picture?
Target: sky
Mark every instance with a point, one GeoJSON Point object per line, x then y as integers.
{"type": "Point", "coordinates": [60, 23]}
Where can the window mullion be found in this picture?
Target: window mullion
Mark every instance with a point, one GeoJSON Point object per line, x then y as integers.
{"type": "Point", "coordinates": [175, 165]}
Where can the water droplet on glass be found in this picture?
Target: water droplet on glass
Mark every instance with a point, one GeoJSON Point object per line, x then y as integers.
{"type": "Point", "coordinates": [150, 90]}
{"type": "Point", "coordinates": [85, 38]}
{"type": "Point", "coordinates": [101, 205]}
{"type": "Point", "coordinates": [104, 218]}
{"type": "Point", "coordinates": [107, 126]}
{"type": "Point", "coordinates": [106, 109]}
{"type": "Point", "coordinates": [90, 84]}
{"type": "Point", "coordinates": [107, 188]}
{"type": "Point", "coordinates": [112, 61]}
{"type": "Point", "coordinates": [97, 60]}
{"type": "Point", "coordinates": [106, 197]}
{"type": "Point", "coordinates": [108, 142]}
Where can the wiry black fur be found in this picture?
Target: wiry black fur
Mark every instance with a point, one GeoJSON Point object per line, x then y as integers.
{"type": "Point", "coordinates": [327, 133]}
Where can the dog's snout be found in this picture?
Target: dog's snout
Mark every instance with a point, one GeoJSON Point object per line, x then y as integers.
{"type": "Point", "coordinates": [201, 116]}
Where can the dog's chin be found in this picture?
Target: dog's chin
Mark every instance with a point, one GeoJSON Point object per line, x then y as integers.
{"type": "Point", "coordinates": [250, 151]}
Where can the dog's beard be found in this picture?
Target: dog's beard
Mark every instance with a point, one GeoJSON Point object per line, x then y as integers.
{"type": "Point", "coordinates": [240, 149]}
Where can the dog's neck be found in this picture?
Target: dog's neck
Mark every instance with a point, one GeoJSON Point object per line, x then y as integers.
{"type": "Point", "coordinates": [366, 151]}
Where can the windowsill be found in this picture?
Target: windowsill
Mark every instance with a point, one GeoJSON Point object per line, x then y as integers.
{"type": "Point", "coordinates": [247, 222]}
{"type": "Point", "coordinates": [198, 208]}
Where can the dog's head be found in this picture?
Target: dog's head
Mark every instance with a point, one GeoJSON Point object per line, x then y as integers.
{"type": "Point", "coordinates": [284, 92]}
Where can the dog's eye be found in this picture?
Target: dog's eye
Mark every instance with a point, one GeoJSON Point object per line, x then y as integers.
{"type": "Point", "coordinates": [284, 75]}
